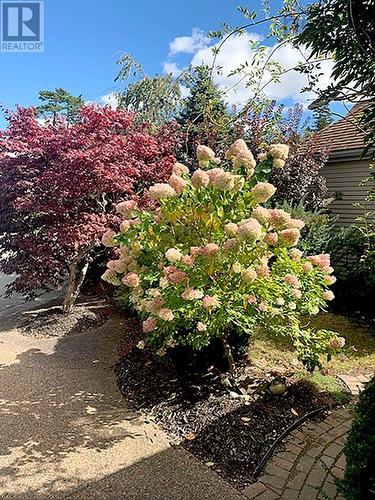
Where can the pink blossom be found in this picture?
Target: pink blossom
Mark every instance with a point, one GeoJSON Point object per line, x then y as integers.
{"type": "Point", "coordinates": [290, 236]}
{"type": "Point", "coordinates": [159, 191]}
{"type": "Point", "coordinates": [231, 229]}
{"type": "Point", "coordinates": [263, 306]}
{"type": "Point", "coordinates": [296, 254]}
{"type": "Point", "coordinates": [249, 229]}
{"type": "Point", "coordinates": [263, 271]}
{"type": "Point", "coordinates": [249, 275]}
{"type": "Point", "coordinates": [205, 155]}
{"type": "Point", "coordinates": [131, 279]}
{"type": "Point", "coordinates": [262, 157]}
{"type": "Point", "coordinates": [178, 183]}
{"type": "Point", "coordinates": [296, 223]}
{"type": "Point", "coordinates": [292, 280]}
{"type": "Point", "coordinates": [188, 260]}
{"type": "Point", "coordinates": [192, 294]}
{"type": "Point", "coordinates": [261, 214]}
{"type": "Point", "coordinates": [180, 169]}
{"type": "Point", "coordinates": [328, 295]}
{"type": "Point", "coordinates": [166, 314]}
{"type": "Point", "coordinates": [127, 208]}
{"type": "Point", "coordinates": [322, 261]}
{"type": "Point", "coordinates": [280, 301]}
{"type": "Point", "coordinates": [222, 180]}
{"type": "Point", "coordinates": [200, 179]}
{"type": "Point", "coordinates": [251, 299]}
{"type": "Point", "coordinates": [111, 277]}
{"type": "Point", "coordinates": [149, 325]}
{"type": "Point", "coordinates": [211, 249]}
{"type": "Point", "coordinates": [263, 191]}
{"type": "Point", "coordinates": [307, 267]}
{"type": "Point", "coordinates": [174, 275]}
{"type": "Point", "coordinates": [329, 280]}
{"type": "Point", "coordinates": [278, 218]}
{"type": "Point", "coordinates": [296, 293]}
{"type": "Point", "coordinates": [201, 327]}
{"type": "Point", "coordinates": [108, 239]}
{"type": "Point", "coordinates": [173, 255]}
{"type": "Point", "coordinates": [156, 304]}
{"type": "Point", "coordinates": [279, 151]}
{"type": "Point", "coordinates": [194, 251]}
{"type": "Point", "coordinates": [237, 147]}
{"type": "Point", "coordinates": [210, 302]}
{"type": "Point", "coordinates": [337, 343]}
{"type": "Point", "coordinates": [271, 239]}
{"type": "Point", "coordinates": [244, 159]}
{"type": "Point", "coordinates": [278, 163]}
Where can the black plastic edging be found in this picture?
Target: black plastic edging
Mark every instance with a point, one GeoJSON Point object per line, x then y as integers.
{"type": "Point", "coordinates": [288, 430]}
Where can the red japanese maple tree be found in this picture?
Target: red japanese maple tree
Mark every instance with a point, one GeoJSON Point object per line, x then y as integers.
{"type": "Point", "coordinates": [59, 185]}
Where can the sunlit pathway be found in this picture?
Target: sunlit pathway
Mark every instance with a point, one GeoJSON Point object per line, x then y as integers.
{"type": "Point", "coordinates": [66, 431]}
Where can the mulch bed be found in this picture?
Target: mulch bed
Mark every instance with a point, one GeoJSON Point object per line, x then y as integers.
{"type": "Point", "coordinates": [54, 323]}
{"type": "Point", "coordinates": [227, 421]}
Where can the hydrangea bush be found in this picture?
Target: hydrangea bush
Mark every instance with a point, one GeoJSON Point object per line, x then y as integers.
{"type": "Point", "coordinates": [211, 259]}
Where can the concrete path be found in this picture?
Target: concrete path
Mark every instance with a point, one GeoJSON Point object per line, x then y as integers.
{"type": "Point", "coordinates": [66, 431]}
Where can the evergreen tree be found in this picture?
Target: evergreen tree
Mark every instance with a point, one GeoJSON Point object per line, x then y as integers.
{"type": "Point", "coordinates": [322, 118]}
{"type": "Point", "coordinates": [204, 117]}
{"type": "Point", "coordinates": [59, 102]}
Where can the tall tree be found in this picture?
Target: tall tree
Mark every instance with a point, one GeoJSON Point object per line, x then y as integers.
{"type": "Point", "coordinates": [154, 99]}
{"type": "Point", "coordinates": [59, 102]}
{"type": "Point", "coordinates": [204, 116]}
{"type": "Point", "coordinates": [59, 188]}
{"type": "Point", "coordinates": [322, 118]}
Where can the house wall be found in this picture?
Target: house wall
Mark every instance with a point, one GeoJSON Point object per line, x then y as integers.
{"type": "Point", "coordinates": [343, 178]}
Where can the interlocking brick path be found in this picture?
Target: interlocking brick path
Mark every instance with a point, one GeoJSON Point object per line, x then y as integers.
{"type": "Point", "coordinates": [311, 461]}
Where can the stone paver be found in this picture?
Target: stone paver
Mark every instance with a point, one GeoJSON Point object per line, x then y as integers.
{"type": "Point", "coordinates": [307, 471]}
{"type": "Point", "coordinates": [354, 382]}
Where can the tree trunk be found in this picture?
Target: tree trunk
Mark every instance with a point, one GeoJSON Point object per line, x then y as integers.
{"type": "Point", "coordinates": [78, 270]}
{"type": "Point", "coordinates": [228, 353]}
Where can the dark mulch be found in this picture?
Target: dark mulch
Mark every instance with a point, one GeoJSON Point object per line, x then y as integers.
{"type": "Point", "coordinates": [54, 323]}
{"type": "Point", "coordinates": [228, 422]}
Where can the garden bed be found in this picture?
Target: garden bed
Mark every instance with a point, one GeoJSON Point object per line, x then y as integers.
{"type": "Point", "coordinates": [228, 421]}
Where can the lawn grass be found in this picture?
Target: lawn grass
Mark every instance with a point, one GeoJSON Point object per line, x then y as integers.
{"type": "Point", "coordinates": [356, 358]}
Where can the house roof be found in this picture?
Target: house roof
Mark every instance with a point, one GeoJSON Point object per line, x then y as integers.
{"type": "Point", "coordinates": [343, 135]}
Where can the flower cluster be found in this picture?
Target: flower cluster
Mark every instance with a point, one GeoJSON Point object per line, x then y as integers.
{"type": "Point", "coordinates": [211, 258]}
{"type": "Point", "coordinates": [278, 153]}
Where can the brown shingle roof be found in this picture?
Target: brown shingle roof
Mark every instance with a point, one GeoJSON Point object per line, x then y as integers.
{"type": "Point", "coordinates": [344, 134]}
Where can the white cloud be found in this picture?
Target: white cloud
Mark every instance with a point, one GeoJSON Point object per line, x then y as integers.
{"type": "Point", "coordinates": [189, 44]}
{"type": "Point", "coordinates": [237, 51]}
{"type": "Point", "coordinates": [110, 99]}
{"type": "Point", "coordinates": [172, 68]}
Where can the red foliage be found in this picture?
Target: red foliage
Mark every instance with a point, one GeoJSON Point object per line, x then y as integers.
{"type": "Point", "coordinates": [60, 184]}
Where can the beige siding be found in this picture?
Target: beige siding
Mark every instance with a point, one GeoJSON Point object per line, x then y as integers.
{"type": "Point", "coordinates": [345, 177]}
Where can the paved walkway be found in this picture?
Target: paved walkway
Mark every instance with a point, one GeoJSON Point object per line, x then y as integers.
{"type": "Point", "coordinates": [66, 431]}
{"type": "Point", "coordinates": [312, 460]}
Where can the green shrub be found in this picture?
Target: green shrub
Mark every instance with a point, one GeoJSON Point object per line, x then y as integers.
{"type": "Point", "coordinates": [211, 258]}
{"type": "Point", "coordinates": [359, 479]}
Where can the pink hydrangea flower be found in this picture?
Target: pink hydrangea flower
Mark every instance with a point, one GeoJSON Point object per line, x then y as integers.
{"type": "Point", "coordinates": [278, 163]}
{"type": "Point", "coordinates": [231, 229]}
{"type": "Point", "coordinates": [296, 254]}
{"type": "Point", "coordinates": [205, 155]}
{"type": "Point", "coordinates": [278, 218]}
{"type": "Point", "coordinates": [180, 169]}
{"type": "Point", "coordinates": [337, 343]}
{"type": "Point", "coordinates": [292, 280]}
{"type": "Point", "coordinates": [263, 271]}
{"type": "Point", "coordinates": [174, 275]}
{"type": "Point", "coordinates": [108, 239]}
{"type": "Point", "coordinates": [296, 293]}
{"type": "Point", "coordinates": [178, 183]}
{"type": "Point", "coordinates": [201, 327]}
{"type": "Point", "coordinates": [210, 302]}
{"type": "Point", "coordinates": [188, 260]}
{"type": "Point", "coordinates": [261, 214]}
{"type": "Point", "coordinates": [156, 304]}
{"type": "Point", "coordinates": [262, 306]}
{"type": "Point", "coordinates": [173, 255]}
{"type": "Point", "coordinates": [125, 226]}
{"type": "Point", "coordinates": [249, 229]}
{"type": "Point", "coordinates": [237, 147]}
{"type": "Point", "coordinates": [330, 280]}
{"type": "Point", "coordinates": [290, 236]}
{"type": "Point", "coordinates": [194, 251]}
{"type": "Point", "coordinates": [328, 295]}
{"type": "Point", "coordinates": [280, 301]}
{"type": "Point", "coordinates": [166, 314]}
{"type": "Point", "coordinates": [271, 239]}
{"type": "Point", "coordinates": [127, 208]}
{"type": "Point", "coordinates": [160, 191]}
{"type": "Point", "coordinates": [131, 279]}
{"type": "Point", "coordinates": [249, 275]}
{"type": "Point", "coordinates": [211, 249]}
{"type": "Point", "coordinates": [192, 294]}
{"type": "Point", "coordinates": [251, 299]}
{"type": "Point", "coordinates": [296, 223]}
{"type": "Point", "coordinates": [322, 261]}
{"type": "Point", "coordinates": [222, 180]}
{"type": "Point", "coordinates": [279, 151]}
{"type": "Point", "coordinates": [200, 179]}
{"type": "Point", "coordinates": [149, 325]}
{"type": "Point", "coordinates": [307, 267]}
{"type": "Point", "coordinates": [111, 277]}
{"type": "Point", "coordinates": [263, 191]}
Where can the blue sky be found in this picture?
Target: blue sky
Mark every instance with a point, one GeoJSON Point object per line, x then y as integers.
{"type": "Point", "coordinates": [83, 39]}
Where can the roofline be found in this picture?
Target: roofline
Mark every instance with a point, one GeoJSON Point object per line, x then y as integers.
{"type": "Point", "coordinates": [350, 153]}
